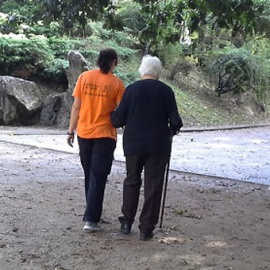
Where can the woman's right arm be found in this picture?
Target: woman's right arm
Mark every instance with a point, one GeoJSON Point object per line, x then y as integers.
{"type": "Point", "coordinates": [74, 116]}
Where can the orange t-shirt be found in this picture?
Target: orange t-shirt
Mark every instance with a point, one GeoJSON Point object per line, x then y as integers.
{"type": "Point", "coordinates": [99, 94]}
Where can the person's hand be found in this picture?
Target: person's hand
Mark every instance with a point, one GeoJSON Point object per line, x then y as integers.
{"type": "Point", "coordinates": [70, 139]}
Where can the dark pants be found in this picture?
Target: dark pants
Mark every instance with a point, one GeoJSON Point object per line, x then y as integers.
{"type": "Point", "coordinates": [154, 166]}
{"type": "Point", "coordinates": [96, 158]}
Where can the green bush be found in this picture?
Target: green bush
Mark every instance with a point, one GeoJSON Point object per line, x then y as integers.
{"type": "Point", "coordinates": [55, 71]}
{"type": "Point", "coordinates": [27, 58]}
{"type": "Point", "coordinates": [127, 69]}
{"type": "Point", "coordinates": [239, 69]}
{"type": "Point", "coordinates": [21, 54]}
{"type": "Point", "coordinates": [41, 58]}
{"type": "Point", "coordinates": [103, 35]}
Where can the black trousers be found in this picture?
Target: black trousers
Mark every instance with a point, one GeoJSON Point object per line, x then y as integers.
{"type": "Point", "coordinates": [154, 166]}
{"type": "Point", "coordinates": [96, 158]}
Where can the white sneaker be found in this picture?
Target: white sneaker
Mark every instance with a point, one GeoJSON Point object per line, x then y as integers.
{"type": "Point", "coordinates": [91, 227]}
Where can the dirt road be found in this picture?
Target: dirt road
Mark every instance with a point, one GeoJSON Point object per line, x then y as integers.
{"type": "Point", "coordinates": [239, 154]}
{"type": "Point", "coordinates": [209, 224]}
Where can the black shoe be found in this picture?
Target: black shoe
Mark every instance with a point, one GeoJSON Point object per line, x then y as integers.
{"type": "Point", "coordinates": [125, 228]}
{"type": "Point", "coordinates": [146, 237]}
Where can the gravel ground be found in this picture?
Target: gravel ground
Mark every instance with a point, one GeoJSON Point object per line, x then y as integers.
{"type": "Point", "coordinates": [209, 223]}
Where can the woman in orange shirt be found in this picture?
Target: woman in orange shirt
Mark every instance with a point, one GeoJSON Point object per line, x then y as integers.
{"type": "Point", "coordinates": [96, 94]}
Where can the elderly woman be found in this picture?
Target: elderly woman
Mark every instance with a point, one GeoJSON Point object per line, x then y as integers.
{"type": "Point", "coordinates": [149, 113]}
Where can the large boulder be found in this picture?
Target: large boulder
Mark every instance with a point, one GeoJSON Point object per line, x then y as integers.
{"type": "Point", "coordinates": [50, 109]}
{"type": "Point", "coordinates": [20, 101]}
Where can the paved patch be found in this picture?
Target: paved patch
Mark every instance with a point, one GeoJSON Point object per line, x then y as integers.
{"type": "Point", "coordinates": [241, 154]}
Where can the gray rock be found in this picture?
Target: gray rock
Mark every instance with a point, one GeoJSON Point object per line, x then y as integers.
{"type": "Point", "coordinates": [20, 101]}
{"type": "Point", "coordinates": [50, 109]}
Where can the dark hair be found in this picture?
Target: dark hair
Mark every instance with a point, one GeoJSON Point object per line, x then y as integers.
{"type": "Point", "coordinates": [105, 60]}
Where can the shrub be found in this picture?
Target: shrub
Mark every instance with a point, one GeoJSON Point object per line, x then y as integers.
{"type": "Point", "coordinates": [20, 54]}
{"type": "Point", "coordinates": [239, 70]}
{"type": "Point", "coordinates": [37, 58]}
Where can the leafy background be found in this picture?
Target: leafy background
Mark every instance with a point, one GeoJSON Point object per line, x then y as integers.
{"type": "Point", "coordinates": [213, 52]}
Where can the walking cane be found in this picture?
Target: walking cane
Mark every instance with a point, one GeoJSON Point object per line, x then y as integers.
{"type": "Point", "coordinates": [165, 190]}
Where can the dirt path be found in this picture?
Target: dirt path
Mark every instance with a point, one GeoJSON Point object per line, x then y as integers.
{"type": "Point", "coordinates": [239, 154]}
{"type": "Point", "coordinates": [209, 223]}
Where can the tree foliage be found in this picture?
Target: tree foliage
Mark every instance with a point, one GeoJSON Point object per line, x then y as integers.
{"type": "Point", "coordinates": [161, 21]}
{"type": "Point", "coordinates": [169, 19]}
{"type": "Point", "coordinates": [68, 13]}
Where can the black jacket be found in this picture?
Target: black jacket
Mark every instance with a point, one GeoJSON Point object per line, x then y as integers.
{"type": "Point", "coordinates": [149, 113]}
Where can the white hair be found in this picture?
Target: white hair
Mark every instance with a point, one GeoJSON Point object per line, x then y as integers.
{"type": "Point", "coordinates": [150, 65]}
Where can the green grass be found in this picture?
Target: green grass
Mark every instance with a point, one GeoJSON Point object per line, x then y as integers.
{"type": "Point", "coordinates": [192, 108]}
{"type": "Point", "coordinates": [200, 112]}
